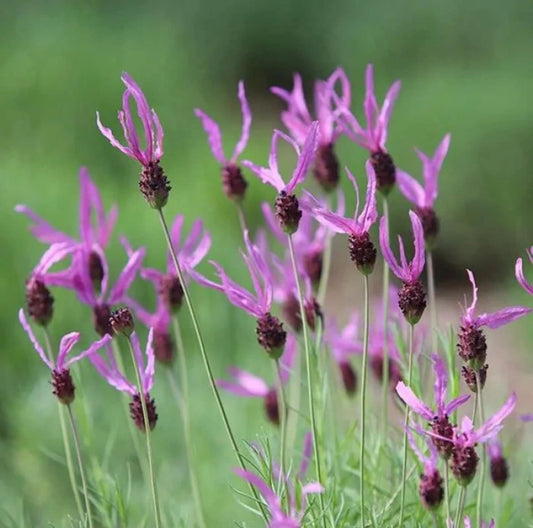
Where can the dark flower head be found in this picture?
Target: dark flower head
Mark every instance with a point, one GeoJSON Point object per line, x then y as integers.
{"type": "Point", "coordinates": [121, 322]}
{"type": "Point", "coordinates": [136, 412]}
{"type": "Point", "coordinates": [499, 469]}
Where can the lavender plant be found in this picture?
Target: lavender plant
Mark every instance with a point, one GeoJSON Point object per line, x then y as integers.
{"type": "Point", "coordinates": [362, 475]}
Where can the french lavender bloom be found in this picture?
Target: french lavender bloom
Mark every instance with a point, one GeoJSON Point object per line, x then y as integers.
{"type": "Point", "coordinates": [424, 197]}
{"type": "Point", "coordinates": [374, 136]}
{"type": "Point", "coordinates": [249, 386]}
{"type": "Point", "coordinates": [287, 207]}
{"type": "Point", "coordinates": [297, 119]}
{"type": "Point", "coordinates": [430, 489]}
{"type": "Point", "coordinates": [412, 296]}
{"type": "Point", "coordinates": [362, 250]}
{"type": "Point", "coordinates": [63, 386]}
{"type": "Point", "coordinates": [472, 344]}
{"type": "Point", "coordinates": [153, 183]}
{"type": "Point", "coordinates": [233, 183]}
{"type": "Point", "coordinates": [439, 419]}
{"type": "Point", "coordinates": [270, 333]}
{"type": "Point", "coordinates": [108, 369]}
{"type": "Point", "coordinates": [519, 272]}
{"type": "Point", "coordinates": [499, 469]}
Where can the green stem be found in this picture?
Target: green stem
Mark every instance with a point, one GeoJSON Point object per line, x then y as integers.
{"type": "Point", "coordinates": [242, 218]}
{"type": "Point", "coordinates": [460, 505]}
{"type": "Point", "coordinates": [406, 422]}
{"type": "Point", "coordinates": [447, 490]}
{"type": "Point", "coordinates": [307, 347]}
{"type": "Point", "coordinates": [363, 400]}
{"type": "Point", "coordinates": [205, 358]}
{"type": "Point", "coordinates": [184, 407]}
{"type": "Point", "coordinates": [283, 416]}
{"type": "Point", "coordinates": [386, 359]}
{"type": "Point", "coordinates": [64, 434]}
{"type": "Point", "coordinates": [157, 515]}
{"type": "Point", "coordinates": [432, 302]}
{"type": "Point", "coordinates": [324, 276]}
{"type": "Point", "coordinates": [481, 483]}
{"type": "Point", "coordinates": [76, 438]}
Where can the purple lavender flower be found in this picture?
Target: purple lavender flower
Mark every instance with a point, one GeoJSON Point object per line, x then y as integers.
{"type": "Point", "coordinates": [287, 208]}
{"type": "Point", "coordinates": [430, 489]}
{"type": "Point", "coordinates": [374, 136]}
{"type": "Point", "coordinates": [250, 386]}
{"type": "Point", "coordinates": [297, 119]}
{"type": "Point", "coordinates": [438, 418]}
{"type": "Point", "coordinates": [472, 344]}
{"type": "Point", "coordinates": [63, 386]}
{"type": "Point", "coordinates": [233, 183]}
{"type": "Point", "coordinates": [424, 197]}
{"type": "Point", "coordinates": [270, 333]}
{"type": "Point", "coordinates": [153, 182]}
{"type": "Point", "coordinates": [412, 296]}
{"type": "Point", "coordinates": [519, 272]}
{"type": "Point", "coordinates": [362, 250]}
{"type": "Point", "coordinates": [108, 369]}
{"type": "Point", "coordinates": [499, 469]}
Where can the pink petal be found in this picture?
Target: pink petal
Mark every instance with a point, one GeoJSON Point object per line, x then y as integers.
{"type": "Point", "coordinates": [418, 406]}
{"type": "Point", "coordinates": [410, 188]}
{"type": "Point", "coordinates": [106, 132]}
{"type": "Point", "coordinates": [41, 229]}
{"type": "Point", "coordinates": [469, 316]}
{"type": "Point", "coordinates": [385, 114]}
{"type": "Point", "coordinates": [214, 136]}
{"type": "Point", "coordinates": [305, 158]}
{"type": "Point", "coordinates": [92, 349]}
{"type": "Point", "coordinates": [306, 455]}
{"type": "Point", "coordinates": [33, 339]}
{"type": "Point", "coordinates": [419, 259]}
{"type": "Point", "coordinates": [126, 277]}
{"type": "Point", "coordinates": [494, 423]}
{"type": "Point", "coordinates": [388, 255]}
{"type": "Point", "coordinates": [519, 272]}
{"type": "Point", "coordinates": [269, 496]}
{"type": "Point", "coordinates": [503, 317]}
{"type": "Point", "coordinates": [249, 384]}
{"type": "Point", "coordinates": [246, 123]}
{"type": "Point", "coordinates": [456, 402]}
{"type": "Point", "coordinates": [148, 375]}
{"type": "Point", "coordinates": [65, 346]}
{"type": "Point", "coordinates": [441, 382]}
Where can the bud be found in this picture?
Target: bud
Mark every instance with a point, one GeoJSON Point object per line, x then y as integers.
{"type": "Point", "coordinates": [441, 426]}
{"type": "Point", "coordinates": [431, 490]}
{"type": "Point", "coordinates": [101, 319]}
{"type": "Point", "coordinates": [171, 292]}
{"type": "Point", "coordinates": [288, 212]}
{"type": "Point", "coordinates": [154, 185]}
{"type": "Point", "coordinates": [163, 347]}
{"type": "Point", "coordinates": [464, 464]}
{"type": "Point", "coordinates": [430, 225]}
{"type": "Point", "coordinates": [385, 171]}
{"type": "Point", "coordinates": [270, 403]}
{"type": "Point", "coordinates": [412, 301]}
{"type": "Point", "coordinates": [499, 471]}
{"type": "Point", "coordinates": [63, 386]}
{"type": "Point", "coordinates": [96, 270]}
{"type": "Point", "coordinates": [40, 301]}
{"type": "Point", "coordinates": [326, 167]}
{"type": "Point", "coordinates": [270, 335]}
{"type": "Point", "coordinates": [362, 252]}
{"type": "Point", "coordinates": [312, 263]}
{"type": "Point", "coordinates": [472, 346]}
{"type": "Point", "coordinates": [349, 377]}
{"type": "Point", "coordinates": [136, 412]}
{"type": "Point", "coordinates": [469, 375]}
{"type": "Point", "coordinates": [121, 322]}
{"type": "Point", "coordinates": [233, 183]}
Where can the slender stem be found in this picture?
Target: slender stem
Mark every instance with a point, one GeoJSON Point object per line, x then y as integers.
{"type": "Point", "coordinates": [324, 276]}
{"type": "Point", "coordinates": [64, 434]}
{"type": "Point", "coordinates": [447, 490]}
{"type": "Point", "coordinates": [242, 218]}
{"type": "Point", "coordinates": [481, 483]}
{"type": "Point", "coordinates": [157, 514]}
{"type": "Point", "coordinates": [205, 358]}
{"type": "Point", "coordinates": [76, 438]}
{"type": "Point", "coordinates": [434, 517]}
{"type": "Point", "coordinates": [184, 407]}
{"type": "Point", "coordinates": [432, 302]}
{"type": "Point", "coordinates": [307, 347]}
{"type": "Point", "coordinates": [460, 505]}
{"type": "Point", "coordinates": [386, 359]}
{"type": "Point", "coordinates": [363, 400]}
{"type": "Point", "coordinates": [406, 422]}
{"type": "Point", "coordinates": [283, 416]}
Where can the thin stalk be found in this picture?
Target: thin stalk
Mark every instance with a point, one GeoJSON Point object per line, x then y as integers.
{"type": "Point", "coordinates": [76, 438]}
{"type": "Point", "coordinates": [386, 359]}
{"type": "Point", "coordinates": [307, 347]}
{"type": "Point", "coordinates": [460, 505]}
{"type": "Point", "coordinates": [283, 416]}
{"type": "Point", "coordinates": [432, 301]}
{"type": "Point", "coordinates": [324, 276]}
{"type": "Point", "coordinates": [184, 407]}
{"type": "Point", "coordinates": [481, 483]}
{"type": "Point", "coordinates": [363, 400]}
{"type": "Point", "coordinates": [406, 421]}
{"type": "Point", "coordinates": [64, 433]}
{"type": "Point", "coordinates": [242, 218]}
{"type": "Point", "coordinates": [447, 490]}
{"type": "Point", "coordinates": [157, 514]}
{"type": "Point", "coordinates": [205, 358]}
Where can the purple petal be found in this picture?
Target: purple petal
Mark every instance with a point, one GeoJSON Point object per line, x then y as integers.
{"type": "Point", "coordinates": [265, 175]}
{"type": "Point", "coordinates": [158, 139]}
{"type": "Point", "coordinates": [431, 170]}
{"type": "Point", "coordinates": [502, 317]}
{"type": "Point", "coordinates": [312, 487]}
{"type": "Point", "coordinates": [385, 114]}
{"type": "Point", "coordinates": [456, 402]}
{"type": "Point", "coordinates": [65, 346]}
{"type": "Point", "coordinates": [41, 229]}
{"type": "Point", "coordinates": [86, 199]}
{"type": "Point", "coordinates": [115, 378]}
{"type": "Point", "coordinates": [246, 123]}
{"type": "Point", "coordinates": [441, 382]}
{"type": "Point", "coordinates": [288, 357]}
{"type": "Point", "coordinates": [418, 406]}
{"type": "Point", "coordinates": [419, 258]}
{"type": "Point", "coordinates": [520, 277]}
{"type": "Point", "coordinates": [305, 158]}
{"type": "Point", "coordinates": [55, 253]}
{"type": "Point", "coordinates": [494, 423]}
{"type": "Point", "coordinates": [369, 213]}
{"type": "Point", "coordinates": [246, 384]}
{"type": "Point", "coordinates": [370, 104]}
{"type": "Point", "coordinates": [91, 350]}
{"type": "Point", "coordinates": [306, 455]}
{"type": "Point", "coordinates": [33, 339]}
{"type": "Point", "coordinates": [269, 496]}
{"type": "Point", "coordinates": [126, 277]}
{"type": "Point", "coordinates": [410, 188]}
{"type": "Point", "coordinates": [148, 375]}
{"type": "Point", "coordinates": [214, 136]}
{"type": "Point", "coordinates": [469, 316]}
{"type": "Point", "coordinates": [388, 255]}
{"type": "Point", "coordinates": [106, 132]}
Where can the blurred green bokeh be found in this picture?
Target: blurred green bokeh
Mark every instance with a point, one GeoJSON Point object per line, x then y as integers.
{"type": "Point", "coordinates": [465, 68]}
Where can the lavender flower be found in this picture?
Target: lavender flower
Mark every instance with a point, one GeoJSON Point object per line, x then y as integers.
{"type": "Point", "coordinates": [424, 197]}
{"type": "Point", "coordinates": [374, 136]}
{"type": "Point", "coordinates": [233, 183]}
{"type": "Point", "coordinates": [362, 250]}
{"type": "Point", "coordinates": [63, 386]}
{"type": "Point", "coordinates": [298, 121]}
{"type": "Point", "coordinates": [270, 333]}
{"type": "Point", "coordinates": [153, 183]}
{"type": "Point", "coordinates": [287, 208]}
{"type": "Point", "coordinates": [412, 296]}
{"type": "Point", "coordinates": [108, 369]}
{"type": "Point", "coordinates": [519, 272]}
{"type": "Point", "coordinates": [250, 386]}
{"type": "Point", "coordinates": [472, 344]}
{"type": "Point", "coordinates": [438, 418]}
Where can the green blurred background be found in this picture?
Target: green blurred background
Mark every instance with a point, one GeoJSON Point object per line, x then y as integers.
{"type": "Point", "coordinates": [465, 67]}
